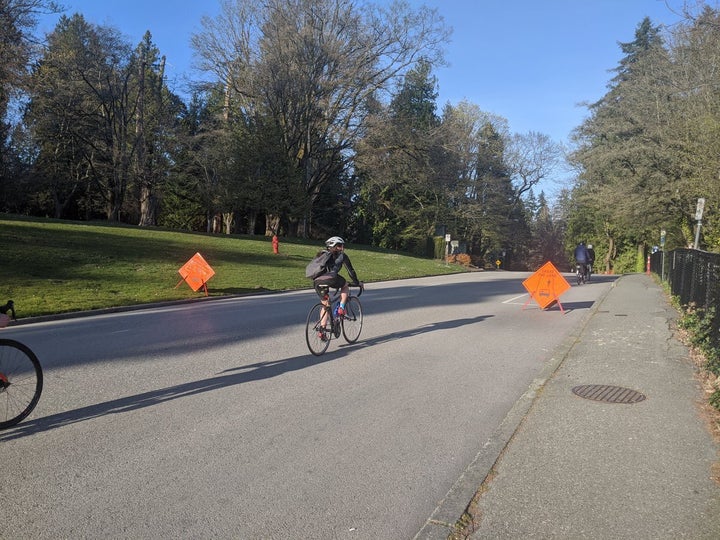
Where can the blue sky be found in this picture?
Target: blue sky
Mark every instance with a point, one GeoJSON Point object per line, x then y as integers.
{"type": "Point", "coordinates": [531, 61]}
{"type": "Point", "coordinates": [534, 61]}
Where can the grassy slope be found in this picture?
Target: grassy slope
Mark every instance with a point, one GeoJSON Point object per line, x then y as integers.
{"type": "Point", "coordinates": [51, 266]}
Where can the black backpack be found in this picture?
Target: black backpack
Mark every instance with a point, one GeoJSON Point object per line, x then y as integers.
{"type": "Point", "coordinates": [318, 265]}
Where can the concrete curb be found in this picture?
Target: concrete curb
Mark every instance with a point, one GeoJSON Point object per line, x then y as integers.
{"type": "Point", "coordinates": [442, 521]}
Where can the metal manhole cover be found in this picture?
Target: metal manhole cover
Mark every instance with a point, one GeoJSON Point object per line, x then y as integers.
{"type": "Point", "coordinates": [608, 394]}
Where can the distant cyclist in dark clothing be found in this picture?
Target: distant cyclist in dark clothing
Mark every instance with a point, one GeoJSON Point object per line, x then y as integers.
{"type": "Point", "coordinates": [331, 277]}
{"type": "Point", "coordinates": [582, 257]}
{"type": "Point", "coordinates": [591, 262]}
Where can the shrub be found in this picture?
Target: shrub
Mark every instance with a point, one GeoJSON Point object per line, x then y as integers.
{"type": "Point", "coordinates": [464, 259]}
{"type": "Point", "coordinates": [715, 399]}
{"type": "Point", "coordinates": [698, 323]}
{"type": "Point", "coordinates": [626, 262]}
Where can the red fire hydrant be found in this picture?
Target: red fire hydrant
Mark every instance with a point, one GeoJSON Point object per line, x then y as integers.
{"type": "Point", "coordinates": [275, 244]}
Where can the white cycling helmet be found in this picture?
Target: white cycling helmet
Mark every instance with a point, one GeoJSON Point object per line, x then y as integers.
{"type": "Point", "coordinates": [334, 241]}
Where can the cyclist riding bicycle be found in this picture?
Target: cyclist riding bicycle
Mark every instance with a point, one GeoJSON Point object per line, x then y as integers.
{"type": "Point", "coordinates": [591, 262]}
{"type": "Point", "coordinates": [582, 258]}
{"type": "Point", "coordinates": [331, 276]}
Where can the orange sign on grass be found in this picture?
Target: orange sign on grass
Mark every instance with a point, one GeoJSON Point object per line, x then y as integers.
{"type": "Point", "coordinates": [196, 273]}
{"type": "Point", "coordinates": [546, 285]}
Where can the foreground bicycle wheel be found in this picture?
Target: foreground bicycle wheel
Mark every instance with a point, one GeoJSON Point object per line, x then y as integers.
{"type": "Point", "coordinates": [317, 337]}
{"type": "Point", "coordinates": [21, 382]}
{"type": "Point", "coordinates": [353, 319]}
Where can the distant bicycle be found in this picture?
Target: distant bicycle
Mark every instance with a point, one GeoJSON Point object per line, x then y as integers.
{"type": "Point", "coordinates": [317, 335]}
{"type": "Point", "coordinates": [21, 376]}
{"type": "Point", "coordinates": [582, 273]}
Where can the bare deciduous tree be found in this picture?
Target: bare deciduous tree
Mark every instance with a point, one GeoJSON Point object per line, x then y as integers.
{"type": "Point", "coordinates": [312, 65]}
{"type": "Point", "coordinates": [532, 157]}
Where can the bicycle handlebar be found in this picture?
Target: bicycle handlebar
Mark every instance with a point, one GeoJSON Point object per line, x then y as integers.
{"type": "Point", "coordinates": [360, 285]}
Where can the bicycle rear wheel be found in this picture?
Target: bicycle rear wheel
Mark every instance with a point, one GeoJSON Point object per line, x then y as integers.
{"type": "Point", "coordinates": [317, 336]}
{"type": "Point", "coordinates": [21, 382]}
{"type": "Point", "coordinates": [352, 320]}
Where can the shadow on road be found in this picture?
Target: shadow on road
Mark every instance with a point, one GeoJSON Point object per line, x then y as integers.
{"type": "Point", "coordinates": [226, 378]}
{"type": "Point", "coordinates": [422, 330]}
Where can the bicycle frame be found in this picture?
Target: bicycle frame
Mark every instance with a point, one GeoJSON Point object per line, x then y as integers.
{"type": "Point", "coordinates": [331, 300]}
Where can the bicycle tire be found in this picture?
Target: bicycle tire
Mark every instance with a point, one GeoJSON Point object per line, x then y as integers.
{"type": "Point", "coordinates": [352, 321]}
{"type": "Point", "coordinates": [316, 337]}
{"type": "Point", "coordinates": [21, 382]}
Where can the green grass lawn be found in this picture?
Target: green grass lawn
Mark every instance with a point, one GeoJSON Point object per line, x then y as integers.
{"type": "Point", "coordinates": [52, 266]}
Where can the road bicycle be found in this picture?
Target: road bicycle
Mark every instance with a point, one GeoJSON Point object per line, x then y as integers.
{"type": "Point", "coordinates": [21, 377]}
{"type": "Point", "coordinates": [349, 324]}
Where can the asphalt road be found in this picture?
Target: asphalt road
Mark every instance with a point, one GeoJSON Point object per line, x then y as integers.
{"type": "Point", "coordinates": [212, 419]}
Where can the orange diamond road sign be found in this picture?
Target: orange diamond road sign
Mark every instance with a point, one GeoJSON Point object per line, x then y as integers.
{"type": "Point", "coordinates": [546, 285]}
{"type": "Point", "coordinates": [196, 273]}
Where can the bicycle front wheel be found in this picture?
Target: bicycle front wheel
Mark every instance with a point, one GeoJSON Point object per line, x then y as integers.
{"type": "Point", "coordinates": [352, 320]}
{"type": "Point", "coordinates": [21, 382]}
{"type": "Point", "coordinates": [317, 336]}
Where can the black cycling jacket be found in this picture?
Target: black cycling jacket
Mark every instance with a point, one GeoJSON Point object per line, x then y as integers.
{"type": "Point", "coordinates": [339, 259]}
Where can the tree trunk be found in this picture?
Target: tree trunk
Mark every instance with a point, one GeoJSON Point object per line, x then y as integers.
{"type": "Point", "coordinates": [228, 219]}
{"type": "Point", "coordinates": [608, 255]}
{"type": "Point", "coordinates": [293, 229]}
{"type": "Point", "coordinates": [272, 224]}
{"type": "Point", "coordinates": [640, 258]}
{"type": "Point", "coordinates": [148, 206]}
{"type": "Point", "coordinates": [302, 229]}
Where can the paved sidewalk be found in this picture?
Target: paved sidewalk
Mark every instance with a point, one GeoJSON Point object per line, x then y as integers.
{"type": "Point", "coordinates": [577, 468]}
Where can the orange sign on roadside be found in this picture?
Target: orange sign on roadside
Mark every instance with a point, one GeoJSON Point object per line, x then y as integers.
{"type": "Point", "coordinates": [196, 273]}
{"type": "Point", "coordinates": [546, 285]}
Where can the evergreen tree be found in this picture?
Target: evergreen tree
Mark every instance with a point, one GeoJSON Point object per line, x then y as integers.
{"type": "Point", "coordinates": [548, 238]}
{"type": "Point", "coordinates": [62, 115]}
{"type": "Point", "coordinates": [403, 195]}
{"type": "Point", "coordinates": [156, 120]}
{"type": "Point", "coordinates": [18, 19]}
{"type": "Point", "coordinates": [626, 158]}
